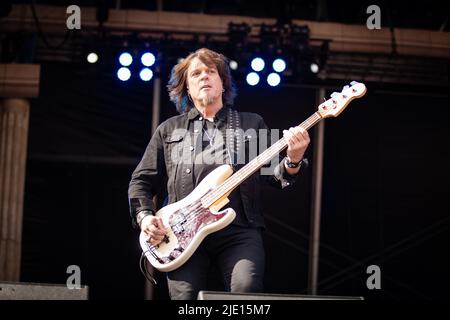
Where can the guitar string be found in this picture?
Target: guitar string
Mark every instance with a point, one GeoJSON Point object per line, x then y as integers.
{"type": "Point", "coordinates": [246, 170]}
{"type": "Point", "coordinates": [192, 215]}
{"type": "Point", "coordinates": [231, 181]}
{"type": "Point", "coordinates": [198, 205]}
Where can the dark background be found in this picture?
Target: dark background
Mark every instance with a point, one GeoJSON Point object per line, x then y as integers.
{"type": "Point", "coordinates": [385, 183]}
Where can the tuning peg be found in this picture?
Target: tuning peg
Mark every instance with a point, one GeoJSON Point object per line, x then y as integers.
{"type": "Point", "coordinates": [345, 88]}
{"type": "Point", "coordinates": [353, 83]}
{"type": "Point", "coordinates": [334, 94]}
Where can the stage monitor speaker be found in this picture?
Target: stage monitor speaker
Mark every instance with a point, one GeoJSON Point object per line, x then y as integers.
{"type": "Point", "coordinates": [217, 295]}
{"type": "Point", "coordinates": [40, 291]}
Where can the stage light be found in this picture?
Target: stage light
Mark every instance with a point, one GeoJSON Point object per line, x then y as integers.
{"type": "Point", "coordinates": [92, 57]}
{"type": "Point", "coordinates": [300, 38]}
{"type": "Point", "coordinates": [238, 34]}
{"type": "Point", "coordinates": [279, 65]}
{"type": "Point", "coordinates": [148, 59]}
{"type": "Point", "coordinates": [271, 37]}
{"type": "Point", "coordinates": [314, 67]}
{"type": "Point", "coordinates": [125, 59]}
{"type": "Point", "coordinates": [252, 78]}
{"type": "Point", "coordinates": [273, 79]}
{"type": "Point", "coordinates": [233, 65]}
{"type": "Point", "coordinates": [146, 74]}
{"type": "Point", "coordinates": [123, 74]}
{"type": "Point", "coordinates": [257, 64]}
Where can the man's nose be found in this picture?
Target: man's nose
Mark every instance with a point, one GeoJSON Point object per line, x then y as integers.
{"type": "Point", "coordinates": [204, 74]}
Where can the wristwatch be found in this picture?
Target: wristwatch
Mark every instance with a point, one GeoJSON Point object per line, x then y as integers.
{"type": "Point", "coordinates": [141, 215]}
{"type": "Point", "coordinates": [293, 164]}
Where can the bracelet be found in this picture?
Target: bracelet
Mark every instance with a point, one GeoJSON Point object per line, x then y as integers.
{"type": "Point", "coordinates": [292, 164]}
{"type": "Point", "coordinates": [141, 215]}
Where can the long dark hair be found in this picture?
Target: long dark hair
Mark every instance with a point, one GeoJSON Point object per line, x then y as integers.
{"type": "Point", "coordinates": [177, 83]}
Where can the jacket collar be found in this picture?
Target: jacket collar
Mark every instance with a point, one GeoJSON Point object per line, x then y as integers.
{"type": "Point", "coordinates": [221, 114]}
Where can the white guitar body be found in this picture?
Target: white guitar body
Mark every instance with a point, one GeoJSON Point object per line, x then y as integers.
{"type": "Point", "coordinates": [185, 230]}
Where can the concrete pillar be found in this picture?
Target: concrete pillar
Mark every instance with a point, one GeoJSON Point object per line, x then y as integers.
{"type": "Point", "coordinates": [14, 115]}
{"type": "Point", "coordinates": [18, 82]}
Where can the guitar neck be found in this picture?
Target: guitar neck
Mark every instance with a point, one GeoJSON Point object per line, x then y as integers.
{"type": "Point", "coordinates": [236, 179]}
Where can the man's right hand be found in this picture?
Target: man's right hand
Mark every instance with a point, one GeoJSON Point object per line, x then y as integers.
{"type": "Point", "coordinates": [153, 227]}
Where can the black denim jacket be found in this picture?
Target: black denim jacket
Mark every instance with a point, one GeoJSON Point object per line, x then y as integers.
{"type": "Point", "coordinates": [158, 162]}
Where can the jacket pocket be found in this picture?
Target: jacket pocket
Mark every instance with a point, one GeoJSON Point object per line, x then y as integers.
{"type": "Point", "coordinates": [174, 148]}
{"type": "Point", "coordinates": [174, 151]}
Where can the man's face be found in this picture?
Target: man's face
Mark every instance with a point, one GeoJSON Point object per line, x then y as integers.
{"type": "Point", "coordinates": [204, 83]}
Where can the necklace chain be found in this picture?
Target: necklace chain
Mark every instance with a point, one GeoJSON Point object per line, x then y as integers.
{"type": "Point", "coordinates": [211, 138]}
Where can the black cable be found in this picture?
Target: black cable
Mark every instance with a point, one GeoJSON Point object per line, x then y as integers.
{"type": "Point", "coordinates": [41, 33]}
{"type": "Point", "coordinates": [144, 271]}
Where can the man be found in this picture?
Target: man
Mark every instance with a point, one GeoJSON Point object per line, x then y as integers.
{"type": "Point", "coordinates": [201, 88]}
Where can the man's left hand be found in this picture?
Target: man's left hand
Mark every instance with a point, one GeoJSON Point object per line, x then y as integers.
{"type": "Point", "coordinates": [297, 140]}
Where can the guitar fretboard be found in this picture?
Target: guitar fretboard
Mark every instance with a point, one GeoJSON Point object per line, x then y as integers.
{"type": "Point", "coordinates": [246, 171]}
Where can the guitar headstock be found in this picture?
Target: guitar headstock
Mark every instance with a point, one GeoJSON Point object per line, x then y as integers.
{"type": "Point", "coordinates": [339, 101]}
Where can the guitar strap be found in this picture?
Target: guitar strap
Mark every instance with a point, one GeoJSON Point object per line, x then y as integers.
{"type": "Point", "coordinates": [233, 137]}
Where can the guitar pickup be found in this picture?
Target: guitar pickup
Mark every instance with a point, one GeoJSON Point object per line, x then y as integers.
{"type": "Point", "coordinates": [175, 253]}
{"type": "Point", "coordinates": [177, 228]}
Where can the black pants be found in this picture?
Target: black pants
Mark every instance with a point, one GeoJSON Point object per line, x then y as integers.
{"type": "Point", "coordinates": [239, 255]}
